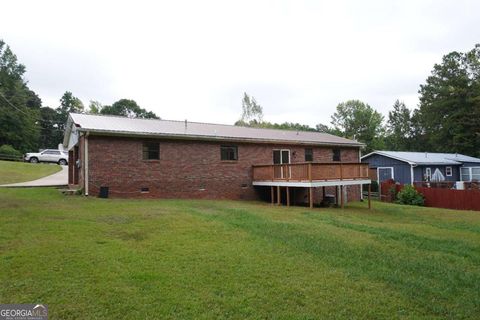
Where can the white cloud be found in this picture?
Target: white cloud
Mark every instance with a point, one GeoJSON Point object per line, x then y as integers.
{"type": "Point", "coordinates": [194, 59]}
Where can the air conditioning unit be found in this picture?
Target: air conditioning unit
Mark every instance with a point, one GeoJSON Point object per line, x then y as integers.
{"type": "Point", "coordinates": [460, 185]}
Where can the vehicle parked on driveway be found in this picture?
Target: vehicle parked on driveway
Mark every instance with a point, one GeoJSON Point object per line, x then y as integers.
{"type": "Point", "coordinates": [48, 155]}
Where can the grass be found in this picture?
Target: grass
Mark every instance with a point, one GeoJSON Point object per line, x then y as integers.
{"type": "Point", "coordinates": [89, 258]}
{"type": "Point", "coordinates": [12, 172]}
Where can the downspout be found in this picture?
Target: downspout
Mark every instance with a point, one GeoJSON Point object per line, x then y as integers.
{"type": "Point", "coordinates": [412, 176]}
{"type": "Point", "coordinates": [360, 160]}
{"type": "Point", "coordinates": [86, 164]}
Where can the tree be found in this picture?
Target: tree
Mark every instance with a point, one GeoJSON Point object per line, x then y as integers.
{"type": "Point", "coordinates": [19, 106]}
{"type": "Point", "coordinates": [50, 133]}
{"type": "Point", "coordinates": [128, 108]}
{"type": "Point", "coordinates": [326, 129]}
{"type": "Point", "coordinates": [399, 128]}
{"type": "Point", "coordinates": [252, 112]}
{"type": "Point", "coordinates": [449, 112]}
{"type": "Point", "coordinates": [68, 103]}
{"type": "Point", "coordinates": [357, 120]}
{"type": "Point", "coordinates": [95, 107]}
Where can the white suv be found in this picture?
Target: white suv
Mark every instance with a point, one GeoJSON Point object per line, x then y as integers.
{"type": "Point", "coordinates": [48, 155]}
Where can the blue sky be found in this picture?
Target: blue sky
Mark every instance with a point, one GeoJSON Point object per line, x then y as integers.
{"type": "Point", "coordinates": [194, 59]}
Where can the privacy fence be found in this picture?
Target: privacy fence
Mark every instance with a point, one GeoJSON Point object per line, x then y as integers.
{"type": "Point", "coordinates": [438, 195]}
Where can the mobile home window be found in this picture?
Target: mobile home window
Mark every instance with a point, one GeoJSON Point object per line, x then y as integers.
{"type": "Point", "coordinates": [448, 171]}
{"type": "Point", "coordinates": [228, 153]}
{"type": "Point", "coordinates": [336, 154]}
{"type": "Point", "coordinates": [476, 173]}
{"type": "Point", "coordinates": [465, 174]}
{"type": "Point", "coordinates": [470, 174]}
{"type": "Point", "coordinates": [151, 151]}
{"type": "Point", "coordinates": [308, 154]}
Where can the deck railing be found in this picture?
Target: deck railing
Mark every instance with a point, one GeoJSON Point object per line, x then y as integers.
{"type": "Point", "coordinates": [310, 171]}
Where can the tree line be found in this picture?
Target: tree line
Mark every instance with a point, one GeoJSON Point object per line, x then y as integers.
{"type": "Point", "coordinates": [447, 118]}
{"type": "Point", "coordinates": [26, 125]}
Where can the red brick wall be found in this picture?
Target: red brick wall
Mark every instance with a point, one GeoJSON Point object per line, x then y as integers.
{"type": "Point", "coordinates": [186, 169]}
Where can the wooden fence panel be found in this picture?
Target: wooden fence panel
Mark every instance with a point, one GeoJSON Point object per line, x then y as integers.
{"type": "Point", "coordinates": [451, 199]}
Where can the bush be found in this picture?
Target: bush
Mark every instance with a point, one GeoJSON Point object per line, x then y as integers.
{"type": "Point", "coordinates": [373, 186]}
{"type": "Point", "coordinates": [9, 152]}
{"type": "Point", "coordinates": [409, 195]}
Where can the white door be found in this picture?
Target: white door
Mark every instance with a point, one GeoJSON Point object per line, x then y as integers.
{"type": "Point", "coordinates": [280, 156]}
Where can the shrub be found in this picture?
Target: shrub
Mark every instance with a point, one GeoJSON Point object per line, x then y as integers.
{"type": "Point", "coordinates": [9, 152]}
{"type": "Point", "coordinates": [373, 186]}
{"type": "Point", "coordinates": [409, 195]}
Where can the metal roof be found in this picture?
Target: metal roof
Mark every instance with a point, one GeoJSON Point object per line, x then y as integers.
{"type": "Point", "coordinates": [419, 158]}
{"type": "Point", "coordinates": [115, 125]}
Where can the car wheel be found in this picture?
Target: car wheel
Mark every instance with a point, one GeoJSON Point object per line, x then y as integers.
{"type": "Point", "coordinates": [62, 162]}
{"type": "Point", "coordinates": [33, 160]}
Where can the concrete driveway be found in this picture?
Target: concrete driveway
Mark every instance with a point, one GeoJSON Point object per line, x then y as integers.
{"type": "Point", "coordinates": [59, 179]}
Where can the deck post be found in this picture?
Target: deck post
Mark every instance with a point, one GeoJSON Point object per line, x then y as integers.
{"type": "Point", "coordinates": [278, 195]}
{"type": "Point", "coordinates": [323, 193]}
{"type": "Point", "coordinates": [342, 200]}
{"type": "Point", "coordinates": [288, 197]}
{"type": "Point", "coordinates": [369, 191]}
{"type": "Point", "coordinates": [310, 194]}
{"type": "Point", "coordinates": [336, 196]}
{"type": "Point", "coordinates": [272, 194]}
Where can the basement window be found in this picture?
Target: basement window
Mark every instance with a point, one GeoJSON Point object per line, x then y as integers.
{"type": "Point", "coordinates": [336, 154]}
{"type": "Point", "coordinates": [308, 154]}
{"type": "Point", "coordinates": [144, 190]}
{"type": "Point", "coordinates": [151, 151]}
{"type": "Point", "coordinates": [228, 153]}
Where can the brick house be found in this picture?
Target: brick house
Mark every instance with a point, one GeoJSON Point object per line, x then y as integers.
{"type": "Point", "coordinates": [180, 159]}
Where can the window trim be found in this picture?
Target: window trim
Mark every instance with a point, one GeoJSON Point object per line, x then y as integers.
{"type": "Point", "coordinates": [235, 153]}
{"type": "Point", "coordinates": [310, 154]}
{"type": "Point", "coordinates": [446, 171]}
{"type": "Point", "coordinates": [144, 144]}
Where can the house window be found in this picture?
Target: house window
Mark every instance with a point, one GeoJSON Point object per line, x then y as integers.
{"type": "Point", "coordinates": [308, 154]}
{"type": "Point", "coordinates": [228, 153]}
{"type": "Point", "coordinates": [151, 151]}
{"type": "Point", "coordinates": [428, 174]}
{"type": "Point", "coordinates": [475, 173]}
{"type": "Point", "coordinates": [470, 174]}
{"type": "Point", "coordinates": [465, 174]}
{"type": "Point", "coordinates": [448, 171]}
{"type": "Point", "coordinates": [336, 154]}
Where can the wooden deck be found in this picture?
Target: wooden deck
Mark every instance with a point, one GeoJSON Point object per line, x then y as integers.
{"type": "Point", "coordinates": [311, 175]}
{"type": "Point", "coordinates": [311, 172]}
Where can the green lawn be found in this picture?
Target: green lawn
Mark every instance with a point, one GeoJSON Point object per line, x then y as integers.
{"type": "Point", "coordinates": [12, 172]}
{"type": "Point", "coordinates": [89, 258]}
